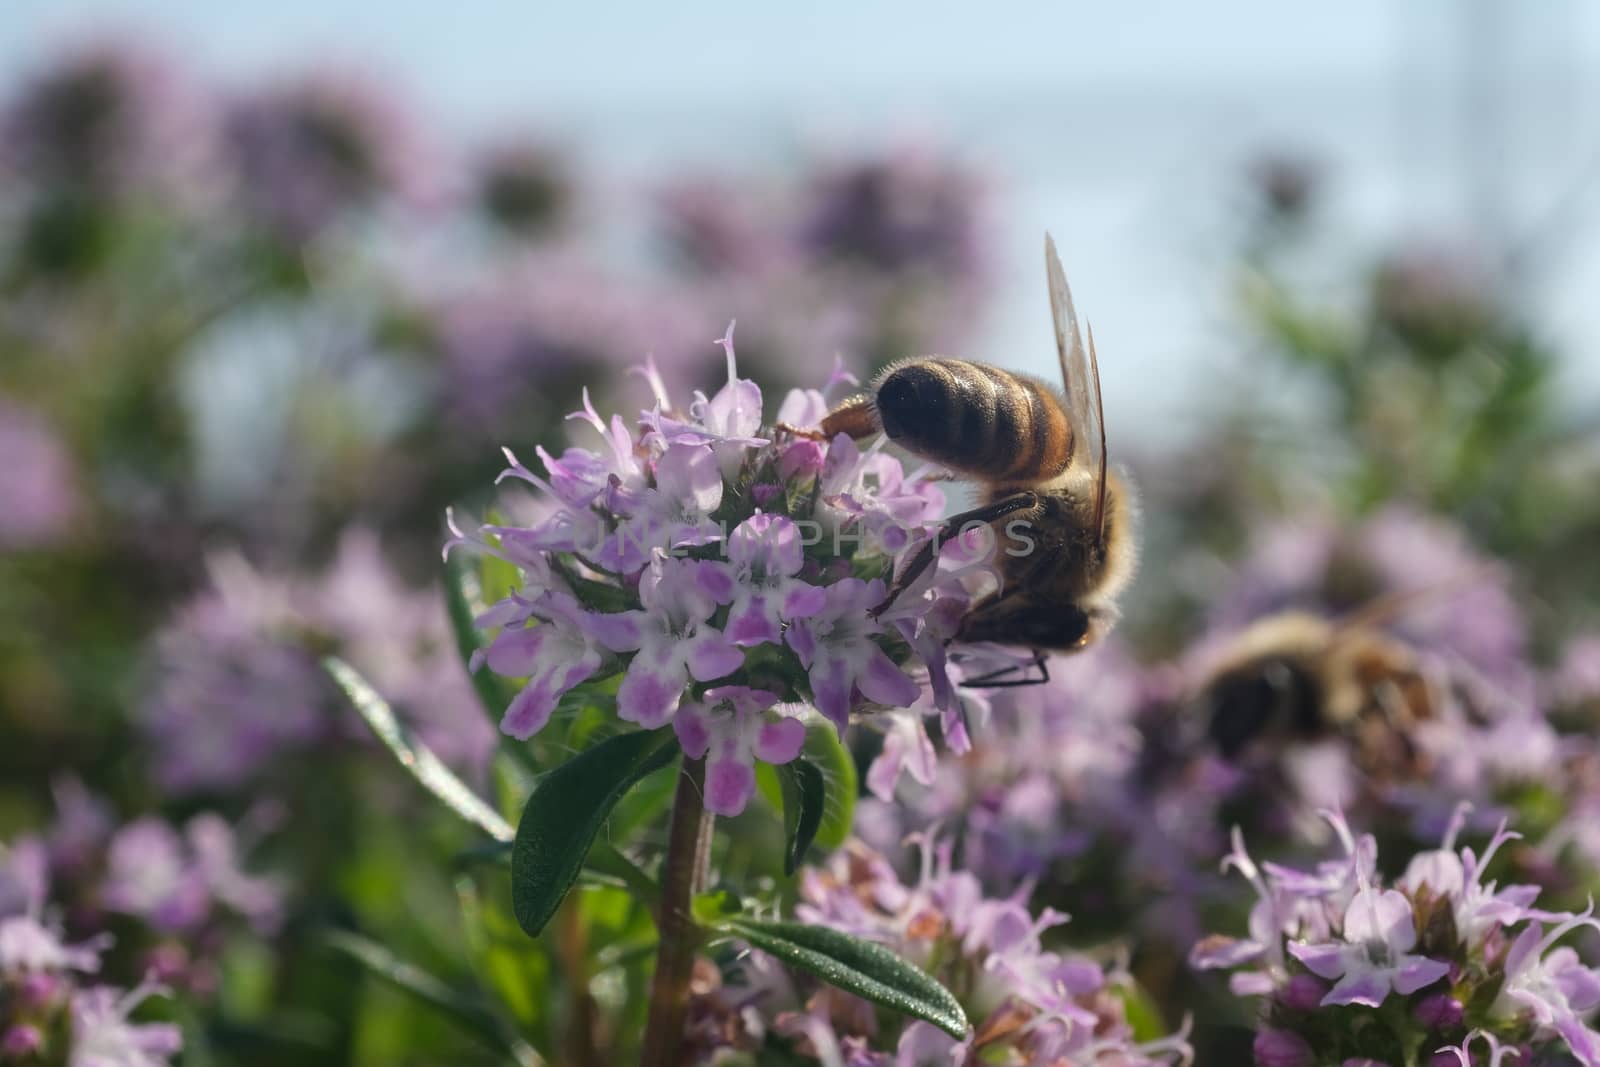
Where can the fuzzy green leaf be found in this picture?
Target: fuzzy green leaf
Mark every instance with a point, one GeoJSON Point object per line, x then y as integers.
{"type": "Point", "coordinates": [566, 811]}
{"type": "Point", "coordinates": [824, 751]}
{"type": "Point", "coordinates": [804, 795]}
{"type": "Point", "coordinates": [868, 970]}
{"type": "Point", "coordinates": [415, 757]}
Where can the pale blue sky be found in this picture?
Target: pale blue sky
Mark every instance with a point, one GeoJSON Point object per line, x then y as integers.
{"type": "Point", "coordinates": [1121, 127]}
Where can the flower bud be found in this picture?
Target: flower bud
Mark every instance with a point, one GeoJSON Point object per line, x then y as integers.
{"type": "Point", "coordinates": [21, 1040]}
{"type": "Point", "coordinates": [1304, 993]}
{"type": "Point", "coordinates": [1439, 1011]}
{"type": "Point", "coordinates": [1281, 1048]}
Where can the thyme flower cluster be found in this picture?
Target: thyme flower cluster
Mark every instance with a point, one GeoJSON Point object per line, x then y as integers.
{"type": "Point", "coordinates": [171, 897]}
{"type": "Point", "coordinates": [728, 573]}
{"type": "Point", "coordinates": [1356, 972]}
{"type": "Point", "coordinates": [1029, 1002]}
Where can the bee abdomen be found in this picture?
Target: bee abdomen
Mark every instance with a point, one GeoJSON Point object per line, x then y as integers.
{"type": "Point", "coordinates": [975, 419]}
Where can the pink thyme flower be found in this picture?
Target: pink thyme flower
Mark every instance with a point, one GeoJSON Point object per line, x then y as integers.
{"type": "Point", "coordinates": [28, 946]}
{"type": "Point", "coordinates": [765, 554]}
{"type": "Point", "coordinates": [834, 647]}
{"type": "Point", "coordinates": [1375, 956]}
{"type": "Point", "coordinates": [697, 544]}
{"type": "Point", "coordinates": [1030, 1004]}
{"type": "Point", "coordinates": [672, 638]}
{"type": "Point", "coordinates": [731, 724]}
{"type": "Point", "coordinates": [1509, 980]}
{"type": "Point", "coordinates": [555, 654]}
{"type": "Point", "coordinates": [103, 1036]}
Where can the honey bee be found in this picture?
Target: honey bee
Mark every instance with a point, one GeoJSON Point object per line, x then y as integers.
{"type": "Point", "coordinates": [1299, 678]}
{"type": "Point", "coordinates": [1064, 523]}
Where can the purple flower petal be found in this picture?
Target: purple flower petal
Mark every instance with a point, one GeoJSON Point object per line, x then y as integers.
{"type": "Point", "coordinates": [1414, 972]}
{"type": "Point", "coordinates": [729, 786]}
{"type": "Point", "coordinates": [693, 730]}
{"type": "Point", "coordinates": [715, 581]}
{"type": "Point", "coordinates": [801, 601]}
{"type": "Point", "coordinates": [1384, 917]}
{"type": "Point", "coordinates": [884, 683]}
{"type": "Point", "coordinates": [753, 622]}
{"type": "Point", "coordinates": [711, 656]}
{"type": "Point", "coordinates": [1359, 987]}
{"type": "Point", "coordinates": [1324, 961]}
{"type": "Point", "coordinates": [650, 691]}
{"type": "Point", "coordinates": [780, 741]}
{"type": "Point", "coordinates": [804, 642]}
{"type": "Point", "coordinates": [830, 690]}
{"type": "Point", "coordinates": [1584, 1042]}
{"type": "Point", "coordinates": [530, 710]}
{"type": "Point", "coordinates": [1220, 953]}
{"type": "Point", "coordinates": [514, 652]}
{"type": "Point", "coordinates": [620, 632]}
{"type": "Point", "coordinates": [689, 474]}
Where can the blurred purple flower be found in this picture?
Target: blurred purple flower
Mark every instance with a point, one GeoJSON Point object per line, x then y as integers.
{"type": "Point", "coordinates": [719, 226]}
{"type": "Point", "coordinates": [113, 117]}
{"type": "Point", "coordinates": [103, 1036]}
{"type": "Point", "coordinates": [517, 342]}
{"type": "Point", "coordinates": [526, 187]}
{"type": "Point", "coordinates": [235, 682]}
{"type": "Point", "coordinates": [38, 494]}
{"type": "Point", "coordinates": [906, 210]}
{"type": "Point", "coordinates": [327, 147]}
{"type": "Point", "coordinates": [176, 883]}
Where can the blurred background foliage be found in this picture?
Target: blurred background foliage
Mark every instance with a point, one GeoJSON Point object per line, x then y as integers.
{"type": "Point", "coordinates": [256, 336]}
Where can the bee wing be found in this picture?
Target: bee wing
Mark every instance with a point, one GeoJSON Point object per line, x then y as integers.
{"type": "Point", "coordinates": [1080, 377]}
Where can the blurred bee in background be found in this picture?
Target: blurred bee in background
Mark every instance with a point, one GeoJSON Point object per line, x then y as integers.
{"type": "Point", "coordinates": [1065, 524]}
{"type": "Point", "coordinates": [1295, 677]}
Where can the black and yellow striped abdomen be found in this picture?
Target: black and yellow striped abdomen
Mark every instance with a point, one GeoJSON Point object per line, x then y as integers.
{"type": "Point", "coordinates": [975, 419]}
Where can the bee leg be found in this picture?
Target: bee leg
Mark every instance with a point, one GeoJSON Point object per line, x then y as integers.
{"type": "Point", "coordinates": [857, 416]}
{"type": "Point", "coordinates": [798, 431]}
{"type": "Point", "coordinates": [998, 680]}
{"type": "Point", "coordinates": [951, 528]}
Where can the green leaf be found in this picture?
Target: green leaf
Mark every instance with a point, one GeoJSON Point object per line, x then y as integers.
{"type": "Point", "coordinates": [471, 1012]}
{"type": "Point", "coordinates": [566, 811]}
{"type": "Point", "coordinates": [464, 594]}
{"type": "Point", "coordinates": [868, 970]}
{"type": "Point", "coordinates": [713, 907]}
{"type": "Point", "coordinates": [824, 751]}
{"type": "Point", "coordinates": [1141, 1011]}
{"type": "Point", "coordinates": [804, 794]}
{"type": "Point", "coordinates": [606, 859]}
{"type": "Point", "coordinates": [489, 854]}
{"type": "Point", "coordinates": [415, 757]}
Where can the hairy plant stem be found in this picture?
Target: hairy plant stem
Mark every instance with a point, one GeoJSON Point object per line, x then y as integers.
{"type": "Point", "coordinates": [683, 873]}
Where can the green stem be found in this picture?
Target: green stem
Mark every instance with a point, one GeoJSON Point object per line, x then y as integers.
{"type": "Point", "coordinates": [682, 873]}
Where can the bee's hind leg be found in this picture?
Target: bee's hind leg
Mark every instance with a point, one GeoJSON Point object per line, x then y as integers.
{"type": "Point", "coordinates": [856, 416]}
{"type": "Point", "coordinates": [799, 431]}
{"type": "Point", "coordinates": [997, 679]}
{"type": "Point", "coordinates": [952, 527]}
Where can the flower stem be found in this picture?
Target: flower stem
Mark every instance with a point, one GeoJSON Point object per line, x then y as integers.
{"type": "Point", "coordinates": [682, 873]}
